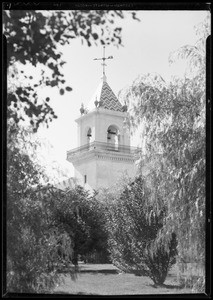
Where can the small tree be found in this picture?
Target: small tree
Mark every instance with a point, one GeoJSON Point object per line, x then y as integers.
{"type": "Point", "coordinates": [134, 226]}
{"type": "Point", "coordinates": [81, 218]}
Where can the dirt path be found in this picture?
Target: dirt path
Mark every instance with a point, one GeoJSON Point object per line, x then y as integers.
{"type": "Point", "coordinates": [105, 279]}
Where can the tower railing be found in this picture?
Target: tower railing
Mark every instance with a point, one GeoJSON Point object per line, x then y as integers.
{"type": "Point", "coordinates": [104, 146]}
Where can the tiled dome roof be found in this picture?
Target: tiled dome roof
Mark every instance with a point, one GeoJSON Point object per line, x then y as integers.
{"type": "Point", "coordinates": [105, 95]}
{"type": "Point", "coordinates": [108, 98]}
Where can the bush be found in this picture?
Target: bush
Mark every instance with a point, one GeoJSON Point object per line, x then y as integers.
{"type": "Point", "coordinates": [160, 259]}
{"type": "Point", "coordinates": [134, 227]}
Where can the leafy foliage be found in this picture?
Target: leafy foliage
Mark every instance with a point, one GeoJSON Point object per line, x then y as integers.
{"type": "Point", "coordinates": [134, 225]}
{"type": "Point", "coordinates": [160, 259]}
{"type": "Point", "coordinates": [79, 216]}
{"type": "Point", "coordinates": [194, 54]}
{"type": "Point", "coordinates": [47, 228]}
{"type": "Point", "coordinates": [32, 238]}
{"type": "Point", "coordinates": [172, 119]}
{"type": "Point", "coordinates": [34, 38]}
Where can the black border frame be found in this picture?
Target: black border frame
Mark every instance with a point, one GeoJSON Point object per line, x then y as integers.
{"type": "Point", "coordinates": [123, 6]}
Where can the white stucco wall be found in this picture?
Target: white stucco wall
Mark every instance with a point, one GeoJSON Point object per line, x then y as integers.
{"type": "Point", "coordinates": [109, 172]}
{"type": "Point", "coordinates": [103, 172]}
{"type": "Point", "coordinates": [87, 168]}
{"type": "Point", "coordinates": [103, 168]}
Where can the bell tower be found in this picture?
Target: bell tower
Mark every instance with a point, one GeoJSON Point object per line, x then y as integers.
{"type": "Point", "coordinates": [103, 153]}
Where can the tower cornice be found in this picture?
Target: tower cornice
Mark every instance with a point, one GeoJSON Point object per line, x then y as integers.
{"type": "Point", "coordinates": [103, 156]}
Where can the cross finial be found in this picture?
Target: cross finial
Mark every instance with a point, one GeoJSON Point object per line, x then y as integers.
{"type": "Point", "coordinates": [103, 59]}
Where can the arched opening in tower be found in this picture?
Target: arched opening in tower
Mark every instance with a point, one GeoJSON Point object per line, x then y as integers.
{"type": "Point", "coordinates": [89, 136]}
{"type": "Point", "coordinates": [113, 137]}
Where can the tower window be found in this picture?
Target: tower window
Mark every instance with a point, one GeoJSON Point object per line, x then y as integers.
{"type": "Point", "coordinates": [85, 178]}
{"type": "Point", "coordinates": [89, 133]}
{"type": "Point", "coordinates": [113, 135]}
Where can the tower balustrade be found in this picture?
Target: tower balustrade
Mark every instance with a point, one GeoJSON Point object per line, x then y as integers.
{"type": "Point", "coordinates": [101, 146]}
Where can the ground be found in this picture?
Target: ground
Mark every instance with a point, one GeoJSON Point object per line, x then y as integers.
{"type": "Point", "coordinates": [105, 279]}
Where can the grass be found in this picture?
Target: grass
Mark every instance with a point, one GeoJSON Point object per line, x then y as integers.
{"type": "Point", "coordinates": [105, 279]}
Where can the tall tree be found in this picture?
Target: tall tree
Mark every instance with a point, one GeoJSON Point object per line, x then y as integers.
{"type": "Point", "coordinates": [173, 119]}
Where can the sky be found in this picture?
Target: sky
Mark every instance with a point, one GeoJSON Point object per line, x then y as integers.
{"type": "Point", "coordinates": [146, 48]}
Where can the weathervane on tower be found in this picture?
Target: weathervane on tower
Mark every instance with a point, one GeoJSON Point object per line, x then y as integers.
{"type": "Point", "coordinates": [103, 59]}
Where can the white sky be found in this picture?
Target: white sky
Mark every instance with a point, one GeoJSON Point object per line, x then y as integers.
{"type": "Point", "coordinates": [147, 45]}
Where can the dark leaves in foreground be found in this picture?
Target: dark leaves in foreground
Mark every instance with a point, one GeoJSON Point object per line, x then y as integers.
{"type": "Point", "coordinates": [33, 38]}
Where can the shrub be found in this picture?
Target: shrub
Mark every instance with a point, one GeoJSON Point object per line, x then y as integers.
{"type": "Point", "coordinates": [134, 226]}
{"type": "Point", "coordinates": [160, 258]}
